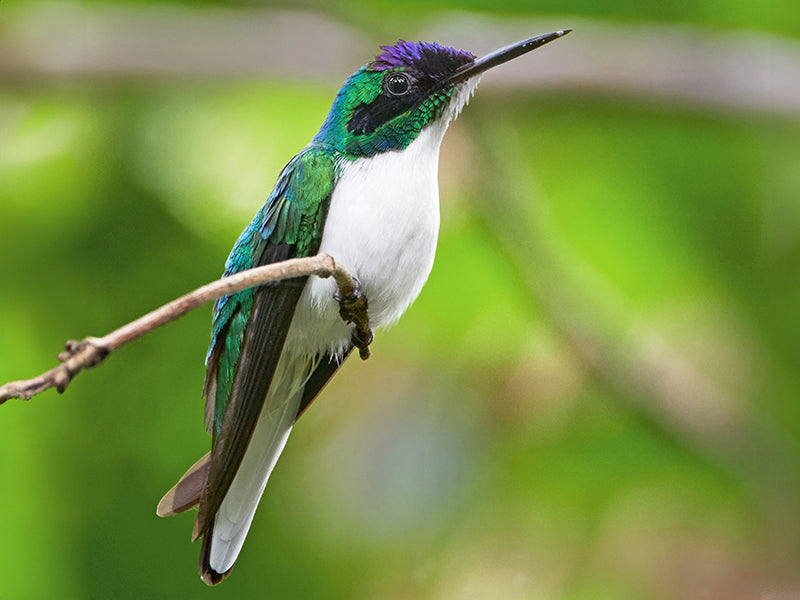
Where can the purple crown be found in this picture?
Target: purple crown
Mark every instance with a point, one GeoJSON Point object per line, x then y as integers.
{"type": "Point", "coordinates": [405, 54]}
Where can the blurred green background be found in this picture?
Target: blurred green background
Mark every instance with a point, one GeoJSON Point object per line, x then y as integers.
{"type": "Point", "coordinates": [595, 396]}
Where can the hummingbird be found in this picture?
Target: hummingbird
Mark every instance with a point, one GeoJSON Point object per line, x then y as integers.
{"type": "Point", "coordinates": [364, 191]}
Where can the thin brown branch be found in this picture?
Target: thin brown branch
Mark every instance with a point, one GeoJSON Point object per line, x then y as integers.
{"type": "Point", "coordinates": [92, 351]}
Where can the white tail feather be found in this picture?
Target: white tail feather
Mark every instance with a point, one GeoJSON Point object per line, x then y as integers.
{"type": "Point", "coordinates": [236, 512]}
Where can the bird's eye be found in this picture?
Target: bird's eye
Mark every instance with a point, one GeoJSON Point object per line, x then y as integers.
{"type": "Point", "coordinates": [397, 84]}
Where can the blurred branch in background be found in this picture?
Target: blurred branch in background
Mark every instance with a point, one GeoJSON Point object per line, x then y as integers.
{"type": "Point", "coordinates": [725, 69]}
{"type": "Point", "coordinates": [643, 368]}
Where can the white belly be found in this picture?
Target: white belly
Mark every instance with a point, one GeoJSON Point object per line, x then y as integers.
{"type": "Point", "coordinates": [382, 226]}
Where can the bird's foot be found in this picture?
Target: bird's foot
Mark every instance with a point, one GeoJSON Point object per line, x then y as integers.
{"type": "Point", "coordinates": [353, 309]}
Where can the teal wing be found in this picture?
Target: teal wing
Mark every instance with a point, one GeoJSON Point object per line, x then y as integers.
{"type": "Point", "coordinates": [250, 327]}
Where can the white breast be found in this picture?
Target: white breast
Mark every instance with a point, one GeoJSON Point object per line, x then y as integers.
{"type": "Point", "coordinates": [382, 226]}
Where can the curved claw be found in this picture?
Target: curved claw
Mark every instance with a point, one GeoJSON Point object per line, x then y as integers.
{"type": "Point", "coordinates": [353, 309]}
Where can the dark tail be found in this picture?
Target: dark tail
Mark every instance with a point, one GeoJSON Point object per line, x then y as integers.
{"type": "Point", "coordinates": [207, 573]}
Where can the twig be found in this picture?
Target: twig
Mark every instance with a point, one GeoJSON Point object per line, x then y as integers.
{"type": "Point", "coordinates": [91, 351]}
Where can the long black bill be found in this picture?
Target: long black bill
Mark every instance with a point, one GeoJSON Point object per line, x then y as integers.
{"type": "Point", "coordinates": [504, 55]}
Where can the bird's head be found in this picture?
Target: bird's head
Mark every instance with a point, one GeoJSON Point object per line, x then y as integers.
{"type": "Point", "coordinates": [408, 86]}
